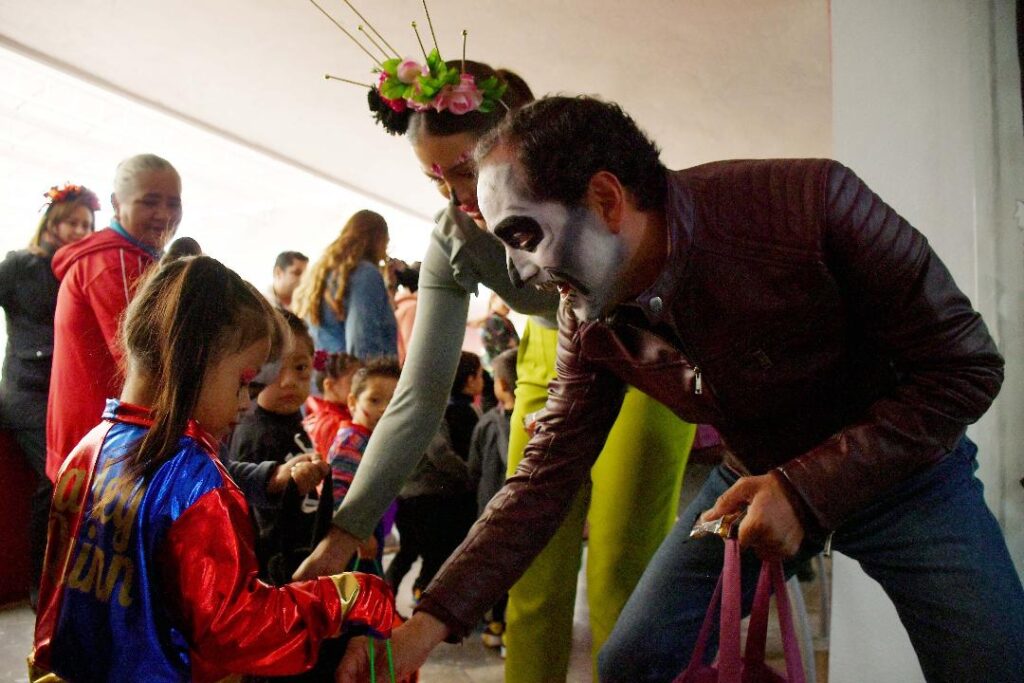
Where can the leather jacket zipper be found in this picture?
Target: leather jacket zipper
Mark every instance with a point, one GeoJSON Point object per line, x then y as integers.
{"type": "Point", "coordinates": [698, 384]}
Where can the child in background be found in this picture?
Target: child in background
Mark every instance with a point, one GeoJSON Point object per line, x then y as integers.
{"type": "Point", "coordinates": [461, 415]}
{"type": "Point", "coordinates": [273, 431]}
{"type": "Point", "coordinates": [373, 385]}
{"type": "Point", "coordinates": [488, 462]}
{"type": "Point", "coordinates": [325, 415]}
{"type": "Point", "coordinates": [488, 451]}
{"type": "Point", "coordinates": [437, 505]}
{"type": "Point", "coordinates": [150, 563]}
{"type": "Point", "coordinates": [497, 332]}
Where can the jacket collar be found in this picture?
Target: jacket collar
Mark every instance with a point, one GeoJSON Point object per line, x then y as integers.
{"type": "Point", "coordinates": [656, 300]}
{"type": "Point", "coordinates": [140, 416]}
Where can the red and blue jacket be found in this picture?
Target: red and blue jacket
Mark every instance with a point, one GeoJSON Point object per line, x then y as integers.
{"type": "Point", "coordinates": [159, 583]}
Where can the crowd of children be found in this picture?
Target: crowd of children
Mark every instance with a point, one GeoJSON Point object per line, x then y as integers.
{"type": "Point", "coordinates": [216, 466]}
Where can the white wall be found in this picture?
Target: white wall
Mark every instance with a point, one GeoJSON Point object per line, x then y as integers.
{"type": "Point", "coordinates": [926, 108]}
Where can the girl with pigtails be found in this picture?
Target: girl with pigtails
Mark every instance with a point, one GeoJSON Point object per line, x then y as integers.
{"type": "Point", "coordinates": [150, 571]}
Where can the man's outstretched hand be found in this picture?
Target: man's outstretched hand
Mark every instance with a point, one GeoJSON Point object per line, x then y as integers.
{"type": "Point", "coordinates": [411, 644]}
{"type": "Point", "coordinates": [771, 526]}
{"type": "Point", "coordinates": [330, 556]}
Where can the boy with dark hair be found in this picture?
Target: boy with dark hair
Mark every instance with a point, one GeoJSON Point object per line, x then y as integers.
{"type": "Point", "coordinates": [272, 431]}
{"type": "Point", "coordinates": [488, 450]}
{"type": "Point", "coordinates": [488, 462]}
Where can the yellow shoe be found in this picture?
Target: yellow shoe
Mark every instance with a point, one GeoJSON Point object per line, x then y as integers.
{"type": "Point", "coordinates": [493, 634]}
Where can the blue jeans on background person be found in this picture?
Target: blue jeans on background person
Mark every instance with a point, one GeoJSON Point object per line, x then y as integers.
{"type": "Point", "coordinates": [931, 542]}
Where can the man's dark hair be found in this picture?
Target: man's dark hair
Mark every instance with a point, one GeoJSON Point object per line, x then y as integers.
{"type": "Point", "coordinates": [561, 142]}
{"type": "Point", "coordinates": [286, 258]}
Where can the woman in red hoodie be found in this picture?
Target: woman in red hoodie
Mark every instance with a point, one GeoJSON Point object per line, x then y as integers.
{"type": "Point", "coordinates": [98, 276]}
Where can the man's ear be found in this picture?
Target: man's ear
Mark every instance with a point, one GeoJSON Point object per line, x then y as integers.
{"type": "Point", "coordinates": [116, 204]}
{"type": "Point", "coordinates": [607, 197]}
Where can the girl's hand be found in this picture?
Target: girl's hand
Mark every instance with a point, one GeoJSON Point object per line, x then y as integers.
{"type": "Point", "coordinates": [411, 644]}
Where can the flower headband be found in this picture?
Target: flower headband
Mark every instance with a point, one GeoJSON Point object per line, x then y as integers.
{"type": "Point", "coordinates": [71, 193]}
{"type": "Point", "coordinates": [405, 84]}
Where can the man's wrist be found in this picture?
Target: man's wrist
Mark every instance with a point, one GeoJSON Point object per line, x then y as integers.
{"type": "Point", "coordinates": [803, 513]}
{"type": "Point", "coordinates": [428, 627]}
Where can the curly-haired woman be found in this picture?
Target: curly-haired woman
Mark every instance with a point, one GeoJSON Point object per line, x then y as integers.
{"type": "Point", "coordinates": [343, 296]}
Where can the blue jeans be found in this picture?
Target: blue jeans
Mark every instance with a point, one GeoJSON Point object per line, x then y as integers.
{"type": "Point", "coordinates": [931, 543]}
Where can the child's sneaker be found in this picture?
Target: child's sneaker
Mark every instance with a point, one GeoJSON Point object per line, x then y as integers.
{"type": "Point", "coordinates": [492, 635]}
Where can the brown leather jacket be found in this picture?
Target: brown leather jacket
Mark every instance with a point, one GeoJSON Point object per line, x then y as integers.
{"type": "Point", "coordinates": [799, 315]}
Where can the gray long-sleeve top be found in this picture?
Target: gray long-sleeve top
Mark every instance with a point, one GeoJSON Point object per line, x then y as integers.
{"type": "Point", "coordinates": [460, 257]}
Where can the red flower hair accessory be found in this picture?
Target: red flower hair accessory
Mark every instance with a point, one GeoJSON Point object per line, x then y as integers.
{"type": "Point", "coordinates": [320, 358]}
{"type": "Point", "coordinates": [71, 193]}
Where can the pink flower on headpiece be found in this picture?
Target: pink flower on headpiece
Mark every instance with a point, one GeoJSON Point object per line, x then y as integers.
{"type": "Point", "coordinates": [409, 70]}
{"type": "Point", "coordinates": [460, 99]}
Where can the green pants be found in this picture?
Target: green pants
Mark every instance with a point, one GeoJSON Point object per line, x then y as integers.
{"type": "Point", "coordinates": [631, 504]}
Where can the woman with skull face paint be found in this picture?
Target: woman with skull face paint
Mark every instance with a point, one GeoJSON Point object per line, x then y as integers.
{"type": "Point", "coordinates": [461, 256]}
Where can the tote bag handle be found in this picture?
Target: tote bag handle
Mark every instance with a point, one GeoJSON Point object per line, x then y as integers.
{"type": "Point", "coordinates": [728, 597]}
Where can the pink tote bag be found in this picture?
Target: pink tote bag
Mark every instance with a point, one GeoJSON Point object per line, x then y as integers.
{"type": "Point", "coordinates": [750, 667]}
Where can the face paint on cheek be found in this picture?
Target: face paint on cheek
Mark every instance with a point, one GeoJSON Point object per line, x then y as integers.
{"type": "Point", "coordinates": [594, 257]}
{"type": "Point", "coordinates": [437, 170]}
{"type": "Point", "coordinates": [248, 375]}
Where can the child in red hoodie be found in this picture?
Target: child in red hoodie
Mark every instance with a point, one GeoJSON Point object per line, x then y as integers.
{"type": "Point", "coordinates": [327, 413]}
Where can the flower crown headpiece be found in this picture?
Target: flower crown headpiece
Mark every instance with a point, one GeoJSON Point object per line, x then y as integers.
{"type": "Point", "coordinates": [70, 193]}
{"type": "Point", "coordinates": [405, 84]}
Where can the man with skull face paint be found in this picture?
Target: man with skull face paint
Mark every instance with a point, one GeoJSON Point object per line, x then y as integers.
{"type": "Point", "coordinates": [785, 304]}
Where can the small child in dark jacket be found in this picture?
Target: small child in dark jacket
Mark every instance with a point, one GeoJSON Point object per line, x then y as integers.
{"type": "Point", "coordinates": [488, 463]}
{"type": "Point", "coordinates": [272, 431]}
{"type": "Point", "coordinates": [437, 505]}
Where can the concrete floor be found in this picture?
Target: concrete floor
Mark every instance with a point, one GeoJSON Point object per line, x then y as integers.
{"type": "Point", "coordinates": [469, 662]}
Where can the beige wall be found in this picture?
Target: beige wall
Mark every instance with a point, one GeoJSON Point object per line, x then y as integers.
{"type": "Point", "coordinates": [926, 108]}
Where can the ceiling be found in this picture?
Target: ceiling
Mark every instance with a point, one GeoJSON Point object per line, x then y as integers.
{"type": "Point", "coordinates": [709, 79]}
